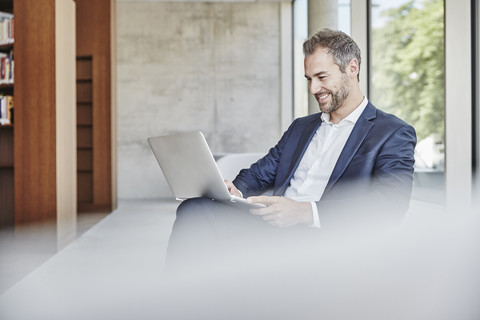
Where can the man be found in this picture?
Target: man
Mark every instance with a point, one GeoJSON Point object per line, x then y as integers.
{"type": "Point", "coordinates": [350, 150]}
{"type": "Point", "coordinates": [350, 165]}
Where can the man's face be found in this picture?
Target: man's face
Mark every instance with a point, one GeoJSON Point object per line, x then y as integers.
{"type": "Point", "coordinates": [326, 82]}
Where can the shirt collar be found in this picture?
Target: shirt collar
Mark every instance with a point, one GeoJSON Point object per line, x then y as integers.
{"type": "Point", "coordinates": [352, 117]}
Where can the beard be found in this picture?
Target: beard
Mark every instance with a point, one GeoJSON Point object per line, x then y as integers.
{"type": "Point", "coordinates": [338, 97]}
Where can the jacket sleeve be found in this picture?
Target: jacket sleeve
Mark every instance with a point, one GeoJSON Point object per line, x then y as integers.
{"type": "Point", "coordinates": [260, 177]}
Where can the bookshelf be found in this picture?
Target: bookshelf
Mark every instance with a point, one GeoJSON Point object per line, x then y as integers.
{"type": "Point", "coordinates": [6, 175]}
{"type": "Point", "coordinates": [57, 157]}
{"type": "Point", "coordinates": [85, 132]}
{"type": "Point", "coordinates": [96, 171]}
{"type": "Point", "coordinates": [7, 210]}
{"type": "Point", "coordinates": [37, 151]}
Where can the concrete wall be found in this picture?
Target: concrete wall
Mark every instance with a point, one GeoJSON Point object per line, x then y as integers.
{"type": "Point", "coordinates": [185, 66]}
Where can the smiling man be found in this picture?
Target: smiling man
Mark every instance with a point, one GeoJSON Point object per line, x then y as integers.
{"type": "Point", "coordinates": [349, 162]}
{"type": "Point", "coordinates": [350, 165]}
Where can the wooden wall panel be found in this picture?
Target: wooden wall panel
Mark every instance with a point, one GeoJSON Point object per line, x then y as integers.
{"type": "Point", "coordinates": [35, 130]}
{"type": "Point", "coordinates": [102, 149]}
{"type": "Point", "coordinates": [94, 38]}
{"type": "Point", "coordinates": [113, 114]}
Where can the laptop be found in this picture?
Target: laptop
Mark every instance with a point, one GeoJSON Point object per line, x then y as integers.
{"type": "Point", "coordinates": [191, 170]}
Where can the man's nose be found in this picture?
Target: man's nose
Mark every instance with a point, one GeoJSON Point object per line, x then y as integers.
{"type": "Point", "coordinates": [315, 86]}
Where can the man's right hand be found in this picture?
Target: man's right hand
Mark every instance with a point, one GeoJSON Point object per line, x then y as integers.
{"type": "Point", "coordinates": [232, 189]}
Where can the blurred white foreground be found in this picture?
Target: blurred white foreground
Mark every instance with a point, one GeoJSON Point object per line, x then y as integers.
{"type": "Point", "coordinates": [427, 269]}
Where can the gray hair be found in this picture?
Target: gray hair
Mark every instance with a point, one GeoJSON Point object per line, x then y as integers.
{"type": "Point", "coordinates": [339, 44]}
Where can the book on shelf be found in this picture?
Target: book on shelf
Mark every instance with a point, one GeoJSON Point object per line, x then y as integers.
{"type": "Point", "coordinates": [6, 67]}
{"type": "Point", "coordinates": [6, 28]}
{"type": "Point", "coordinates": [6, 110]}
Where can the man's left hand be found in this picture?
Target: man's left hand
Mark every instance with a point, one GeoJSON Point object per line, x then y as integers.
{"type": "Point", "coordinates": [283, 212]}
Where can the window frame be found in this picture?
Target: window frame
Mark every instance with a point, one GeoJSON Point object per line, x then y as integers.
{"type": "Point", "coordinates": [459, 141]}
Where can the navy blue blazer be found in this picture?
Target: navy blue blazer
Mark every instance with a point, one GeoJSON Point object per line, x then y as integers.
{"type": "Point", "coordinates": [375, 166]}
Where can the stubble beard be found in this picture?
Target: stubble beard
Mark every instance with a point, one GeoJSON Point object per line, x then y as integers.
{"type": "Point", "coordinates": [338, 97]}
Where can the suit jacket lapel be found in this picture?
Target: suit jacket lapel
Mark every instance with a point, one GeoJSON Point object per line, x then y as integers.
{"type": "Point", "coordinates": [359, 132]}
{"type": "Point", "coordinates": [302, 144]}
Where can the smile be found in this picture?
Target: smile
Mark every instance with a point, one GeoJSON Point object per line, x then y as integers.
{"type": "Point", "coordinates": [322, 96]}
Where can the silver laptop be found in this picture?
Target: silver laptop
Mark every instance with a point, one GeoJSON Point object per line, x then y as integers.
{"type": "Point", "coordinates": [190, 169]}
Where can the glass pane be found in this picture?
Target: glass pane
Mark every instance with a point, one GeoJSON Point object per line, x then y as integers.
{"type": "Point", "coordinates": [300, 34]}
{"type": "Point", "coordinates": [407, 79]}
{"type": "Point", "coordinates": [344, 16]}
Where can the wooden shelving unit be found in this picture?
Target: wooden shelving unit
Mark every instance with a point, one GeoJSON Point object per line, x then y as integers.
{"type": "Point", "coordinates": [37, 167]}
{"type": "Point", "coordinates": [57, 157]}
{"type": "Point", "coordinates": [84, 133]}
{"type": "Point", "coordinates": [95, 105]}
{"type": "Point", "coordinates": [7, 196]}
{"type": "Point", "coordinates": [6, 146]}
{"type": "Point", "coordinates": [7, 216]}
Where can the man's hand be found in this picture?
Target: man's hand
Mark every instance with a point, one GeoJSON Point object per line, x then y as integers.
{"type": "Point", "coordinates": [283, 212]}
{"type": "Point", "coordinates": [232, 189]}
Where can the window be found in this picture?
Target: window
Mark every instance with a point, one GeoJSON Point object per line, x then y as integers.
{"type": "Point", "coordinates": [300, 34]}
{"type": "Point", "coordinates": [407, 78]}
{"type": "Point", "coordinates": [344, 19]}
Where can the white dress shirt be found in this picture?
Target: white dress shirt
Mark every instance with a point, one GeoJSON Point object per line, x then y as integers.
{"type": "Point", "coordinates": [317, 164]}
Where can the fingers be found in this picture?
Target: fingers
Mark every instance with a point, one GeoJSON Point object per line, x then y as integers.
{"type": "Point", "coordinates": [263, 211]}
{"type": "Point", "coordinates": [232, 189]}
{"type": "Point", "coordinates": [267, 200]}
{"type": "Point", "coordinates": [270, 213]}
{"type": "Point", "coordinates": [229, 184]}
{"type": "Point", "coordinates": [272, 218]}
{"type": "Point", "coordinates": [280, 211]}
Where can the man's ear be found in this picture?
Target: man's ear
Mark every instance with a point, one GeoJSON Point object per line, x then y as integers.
{"type": "Point", "coordinates": [353, 68]}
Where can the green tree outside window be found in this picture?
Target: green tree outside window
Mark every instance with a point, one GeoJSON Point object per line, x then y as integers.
{"type": "Point", "coordinates": [407, 73]}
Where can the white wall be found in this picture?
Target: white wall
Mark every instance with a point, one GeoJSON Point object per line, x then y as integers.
{"type": "Point", "coordinates": [185, 66]}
